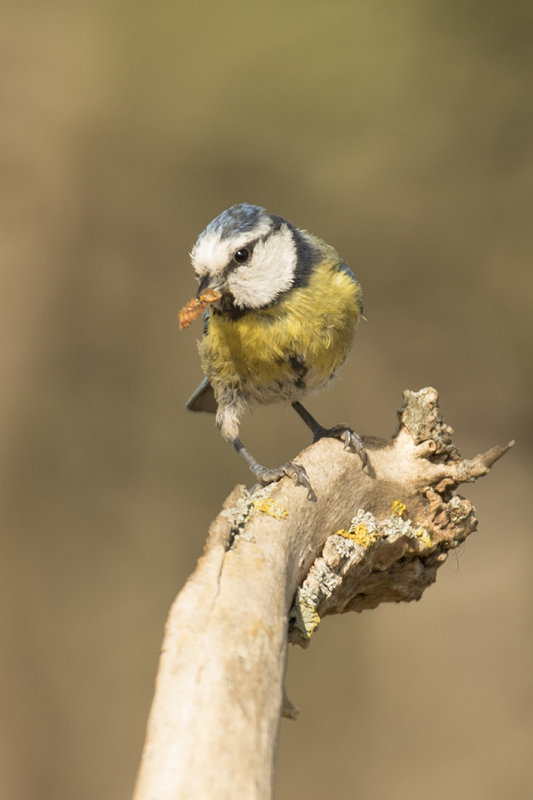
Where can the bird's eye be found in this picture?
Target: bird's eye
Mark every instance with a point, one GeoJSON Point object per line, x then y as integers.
{"type": "Point", "coordinates": [242, 255]}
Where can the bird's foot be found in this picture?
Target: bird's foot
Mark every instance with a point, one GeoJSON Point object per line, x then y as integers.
{"type": "Point", "coordinates": [351, 440]}
{"type": "Point", "coordinates": [292, 469]}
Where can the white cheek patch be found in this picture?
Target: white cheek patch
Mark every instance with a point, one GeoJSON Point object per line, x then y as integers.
{"type": "Point", "coordinates": [269, 273]}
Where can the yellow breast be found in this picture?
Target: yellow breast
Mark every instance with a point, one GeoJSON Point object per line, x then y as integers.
{"type": "Point", "coordinates": [311, 326]}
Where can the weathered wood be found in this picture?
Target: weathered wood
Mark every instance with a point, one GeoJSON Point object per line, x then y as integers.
{"type": "Point", "coordinates": [274, 564]}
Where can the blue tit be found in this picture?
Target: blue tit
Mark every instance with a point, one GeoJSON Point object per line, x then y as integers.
{"type": "Point", "coordinates": [282, 328]}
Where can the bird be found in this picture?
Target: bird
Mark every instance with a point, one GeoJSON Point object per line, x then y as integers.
{"type": "Point", "coordinates": [282, 327]}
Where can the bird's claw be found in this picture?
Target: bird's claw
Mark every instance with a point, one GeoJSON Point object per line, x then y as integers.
{"type": "Point", "coordinates": [351, 440]}
{"type": "Point", "coordinates": [292, 469]}
{"type": "Point", "coordinates": [295, 471]}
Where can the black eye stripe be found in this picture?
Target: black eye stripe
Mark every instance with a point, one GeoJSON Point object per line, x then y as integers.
{"type": "Point", "coordinates": [246, 252]}
{"type": "Point", "coordinates": [242, 255]}
{"type": "Point", "coordinates": [249, 246]}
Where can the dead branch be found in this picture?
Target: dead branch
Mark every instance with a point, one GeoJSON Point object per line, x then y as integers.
{"type": "Point", "coordinates": [274, 564]}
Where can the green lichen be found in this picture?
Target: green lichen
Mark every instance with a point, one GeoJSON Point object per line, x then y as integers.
{"type": "Point", "coordinates": [304, 616]}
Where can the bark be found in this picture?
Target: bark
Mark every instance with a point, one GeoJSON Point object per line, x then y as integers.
{"type": "Point", "coordinates": [274, 564]}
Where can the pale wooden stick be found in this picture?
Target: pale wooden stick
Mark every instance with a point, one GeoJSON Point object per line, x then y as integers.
{"type": "Point", "coordinates": [273, 565]}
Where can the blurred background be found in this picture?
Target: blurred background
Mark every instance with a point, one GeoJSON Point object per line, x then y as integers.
{"type": "Point", "coordinates": [402, 134]}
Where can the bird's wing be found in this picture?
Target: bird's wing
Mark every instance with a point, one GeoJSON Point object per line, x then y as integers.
{"type": "Point", "coordinates": [203, 399]}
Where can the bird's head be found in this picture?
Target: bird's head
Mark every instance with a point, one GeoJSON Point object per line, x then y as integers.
{"type": "Point", "coordinates": [250, 256]}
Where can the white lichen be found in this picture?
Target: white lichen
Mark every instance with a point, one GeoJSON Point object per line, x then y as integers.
{"type": "Point", "coordinates": [239, 514]}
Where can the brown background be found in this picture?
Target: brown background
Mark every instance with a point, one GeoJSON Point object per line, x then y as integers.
{"type": "Point", "coordinates": [401, 133]}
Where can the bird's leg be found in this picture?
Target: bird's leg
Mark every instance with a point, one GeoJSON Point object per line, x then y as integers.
{"type": "Point", "coordinates": [265, 475]}
{"type": "Point", "coordinates": [351, 440]}
{"type": "Point", "coordinates": [231, 407]}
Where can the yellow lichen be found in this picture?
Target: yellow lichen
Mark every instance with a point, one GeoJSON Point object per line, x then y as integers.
{"type": "Point", "coordinates": [270, 507]}
{"type": "Point", "coordinates": [424, 537]}
{"type": "Point", "coordinates": [398, 508]}
{"type": "Point", "coordinates": [360, 535]}
{"type": "Point", "coordinates": [343, 532]}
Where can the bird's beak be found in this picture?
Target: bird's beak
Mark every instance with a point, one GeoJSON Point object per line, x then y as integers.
{"type": "Point", "coordinates": [207, 282]}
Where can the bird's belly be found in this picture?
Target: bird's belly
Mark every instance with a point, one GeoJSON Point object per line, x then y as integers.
{"type": "Point", "coordinates": [267, 358]}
